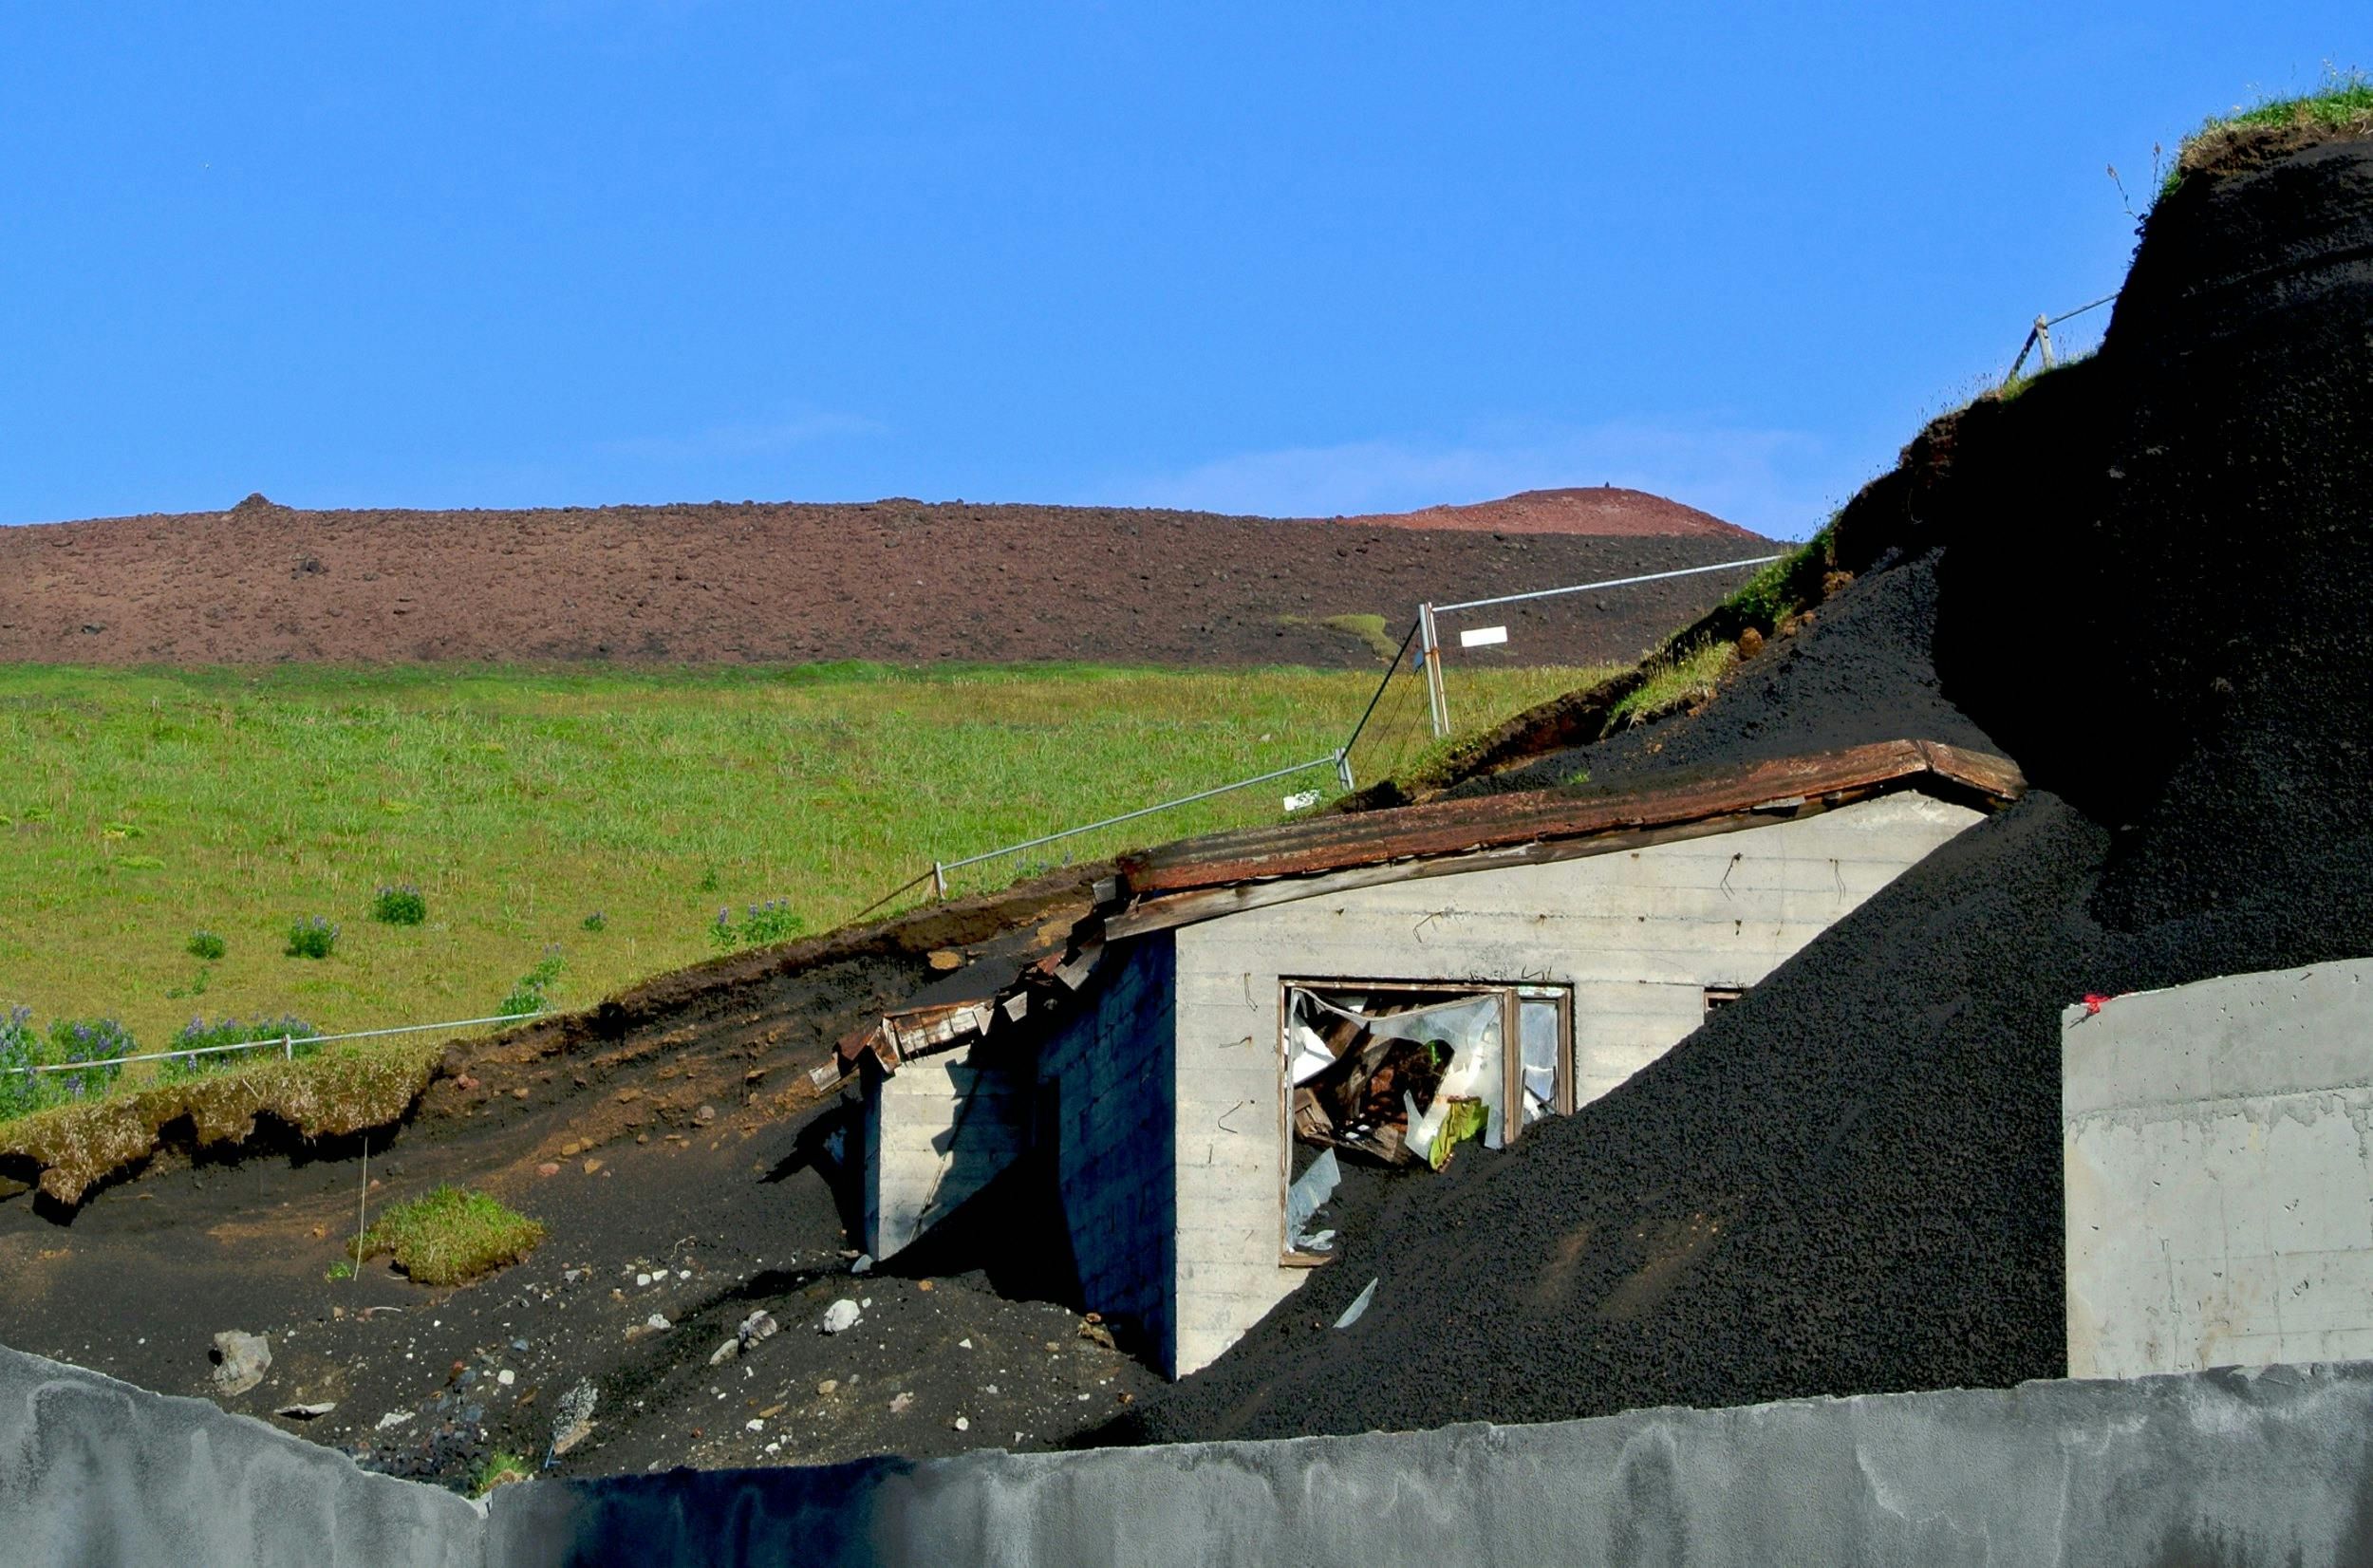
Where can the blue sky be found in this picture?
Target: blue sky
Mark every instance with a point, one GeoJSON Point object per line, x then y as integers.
{"type": "Point", "coordinates": [1306, 259]}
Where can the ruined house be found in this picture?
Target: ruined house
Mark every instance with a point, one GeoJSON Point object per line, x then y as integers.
{"type": "Point", "coordinates": [1245, 1010]}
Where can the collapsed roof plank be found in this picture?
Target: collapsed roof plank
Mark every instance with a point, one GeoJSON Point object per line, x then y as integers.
{"type": "Point", "coordinates": [1460, 827]}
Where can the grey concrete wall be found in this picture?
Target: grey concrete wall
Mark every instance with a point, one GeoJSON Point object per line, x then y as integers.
{"type": "Point", "coordinates": [1111, 1069]}
{"type": "Point", "coordinates": [99, 1472]}
{"type": "Point", "coordinates": [2273, 1467]}
{"type": "Point", "coordinates": [2228, 1468]}
{"type": "Point", "coordinates": [2219, 1184]}
{"type": "Point", "coordinates": [1639, 935]}
{"type": "Point", "coordinates": [936, 1131]}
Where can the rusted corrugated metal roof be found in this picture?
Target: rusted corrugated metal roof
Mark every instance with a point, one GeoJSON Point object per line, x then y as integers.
{"type": "Point", "coordinates": [1465, 827]}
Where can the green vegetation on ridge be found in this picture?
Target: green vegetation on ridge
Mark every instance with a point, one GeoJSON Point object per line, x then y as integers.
{"type": "Point", "coordinates": [609, 812]}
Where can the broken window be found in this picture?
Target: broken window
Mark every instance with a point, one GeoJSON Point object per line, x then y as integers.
{"type": "Point", "coordinates": [1403, 1074]}
{"type": "Point", "coordinates": [1719, 997]}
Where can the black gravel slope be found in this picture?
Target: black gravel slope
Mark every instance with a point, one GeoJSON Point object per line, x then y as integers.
{"type": "Point", "coordinates": [1866, 674]}
{"type": "Point", "coordinates": [2147, 579]}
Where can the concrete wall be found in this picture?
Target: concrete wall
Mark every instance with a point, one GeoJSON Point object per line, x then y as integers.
{"type": "Point", "coordinates": [97, 1471]}
{"type": "Point", "coordinates": [1639, 934]}
{"type": "Point", "coordinates": [936, 1131]}
{"type": "Point", "coordinates": [1111, 1070]}
{"type": "Point", "coordinates": [2232, 1468]}
{"type": "Point", "coordinates": [2219, 1184]}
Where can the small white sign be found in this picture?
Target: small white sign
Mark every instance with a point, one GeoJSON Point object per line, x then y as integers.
{"type": "Point", "coordinates": [1482, 637]}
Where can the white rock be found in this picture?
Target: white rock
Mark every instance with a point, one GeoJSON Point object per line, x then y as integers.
{"type": "Point", "coordinates": [754, 1425]}
{"type": "Point", "coordinates": [865, 1261]}
{"type": "Point", "coordinates": [240, 1361]}
{"type": "Point", "coordinates": [506, 1377]}
{"type": "Point", "coordinates": [658, 1320]}
{"type": "Point", "coordinates": [962, 1424]}
{"type": "Point", "coordinates": [840, 1315]}
{"type": "Point", "coordinates": [964, 1344]}
{"type": "Point", "coordinates": [393, 1418]}
{"type": "Point", "coordinates": [642, 1279]}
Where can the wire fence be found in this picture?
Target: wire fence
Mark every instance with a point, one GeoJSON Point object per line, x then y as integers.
{"type": "Point", "coordinates": [1408, 713]}
{"type": "Point", "coordinates": [2039, 339]}
{"type": "Point", "coordinates": [286, 1044]}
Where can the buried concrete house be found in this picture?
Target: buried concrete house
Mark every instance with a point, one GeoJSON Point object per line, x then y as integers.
{"type": "Point", "coordinates": [1246, 1011]}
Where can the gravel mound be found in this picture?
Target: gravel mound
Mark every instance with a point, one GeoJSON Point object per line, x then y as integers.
{"type": "Point", "coordinates": [2144, 579]}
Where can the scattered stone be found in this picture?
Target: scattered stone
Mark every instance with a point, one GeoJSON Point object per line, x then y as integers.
{"type": "Point", "coordinates": [658, 1323]}
{"type": "Point", "coordinates": [240, 1361]}
{"type": "Point", "coordinates": [864, 1262]}
{"type": "Point", "coordinates": [573, 1422]}
{"type": "Point", "coordinates": [923, 1285]}
{"type": "Point", "coordinates": [641, 1281]}
{"type": "Point", "coordinates": [706, 1115]}
{"type": "Point", "coordinates": [840, 1315]}
{"type": "Point", "coordinates": [900, 1401]}
{"type": "Point", "coordinates": [592, 1165]}
{"type": "Point", "coordinates": [772, 1412]}
{"type": "Point", "coordinates": [1097, 1332]}
{"type": "Point", "coordinates": [518, 1093]}
{"type": "Point", "coordinates": [572, 1276]}
{"type": "Point", "coordinates": [306, 1412]}
{"type": "Point", "coordinates": [520, 1345]}
{"type": "Point", "coordinates": [571, 1149]}
{"type": "Point", "coordinates": [963, 1344]}
{"type": "Point", "coordinates": [945, 959]}
{"type": "Point", "coordinates": [506, 1377]}
{"type": "Point", "coordinates": [962, 1424]}
{"type": "Point", "coordinates": [758, 1325]}
{"type": "Point", "coordinates": [754, 1425]}
{"type": "Point", "coordinates": [830, 1387]}
{"type": "Point", "coordinates": [725, 1353]}
{"type": "Point", "coordinates": [627, 1097]}
{"type": "Point", "coordinates": [547, 1169]}
{"type": "Point", "coordinates": [393, 1418]}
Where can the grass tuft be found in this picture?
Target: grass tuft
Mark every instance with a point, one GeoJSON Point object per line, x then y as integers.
{"type": "Point", "coordinates": [313, 937]}
{"type": "Point", "coordinates": [451, 1236]}
{"type": "Point", "coordinates": [2341, 106]}
{"type": "Point", "coordinates": [501, 1468]}
{"type": "Point", "coordinates": [1673, 681]}
{"type": "Point", "coordinates": [403, 905]}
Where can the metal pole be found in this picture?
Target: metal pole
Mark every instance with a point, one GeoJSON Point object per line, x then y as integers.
{"type": "Point", "coordinates": [1343, 770]}
{"type": "Point", "coordinates": [287, 1049]}
{"type": "Point", "coordinates": [1437, 704]}
{"type": "Point", "coordinates": [2042, 341]}
{"type": "Point", "coordinates": [939, 880]}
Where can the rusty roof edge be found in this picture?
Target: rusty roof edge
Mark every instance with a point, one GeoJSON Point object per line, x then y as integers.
{"type": "Point", "coordinates": [1439, 829]}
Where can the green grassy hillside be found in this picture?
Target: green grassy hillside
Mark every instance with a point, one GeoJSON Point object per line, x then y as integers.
{"type": "Point", "coordinates": [140, 808]}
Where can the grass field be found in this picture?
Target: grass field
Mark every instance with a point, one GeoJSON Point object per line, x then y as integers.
{"type": "Point", "coordinates": [139, 808]}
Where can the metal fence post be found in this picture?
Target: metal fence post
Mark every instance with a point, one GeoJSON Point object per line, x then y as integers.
{"type": "Point", "coordinates": [939, 881]}
{"type": "Point", "coordinates": [1343, 770]}
{"type": "Point", "coordinates": [2042, 341]}
{"type": "Point", "coordinates": [1429, 649]}
{"type": "Point", "coordinates": [287, 1047]}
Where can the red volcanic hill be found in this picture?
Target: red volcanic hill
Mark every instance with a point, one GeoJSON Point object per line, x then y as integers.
{"type": "Point", "coordinates": [1607, 510]}
{"type": "Point", "coordinates": [893, 580]}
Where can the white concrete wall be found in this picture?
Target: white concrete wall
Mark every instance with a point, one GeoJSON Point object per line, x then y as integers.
{"type": "Point", "coordinates": [1639, 934]}
{"type": "Point", "coordinates": [937, 1131]}
{"type": "Point", "coordinates": [2220, 1188]}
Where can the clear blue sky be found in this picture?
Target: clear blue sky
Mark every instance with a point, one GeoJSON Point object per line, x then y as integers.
{"type": "Point", "coordinates": [1293, 258]}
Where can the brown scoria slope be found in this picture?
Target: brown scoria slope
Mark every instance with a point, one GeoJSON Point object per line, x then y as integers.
{"type": "Point", "coordinates": [893, 580]}
{"type": "Point", "coordinates": [1608, 509]}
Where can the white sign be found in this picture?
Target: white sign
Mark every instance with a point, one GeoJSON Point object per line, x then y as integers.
{"type": "Point", "coordinates": [1482, 637]}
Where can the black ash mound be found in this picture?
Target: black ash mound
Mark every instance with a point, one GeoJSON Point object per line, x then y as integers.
{"type": "Point", "coordinates": [2145, 580]}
